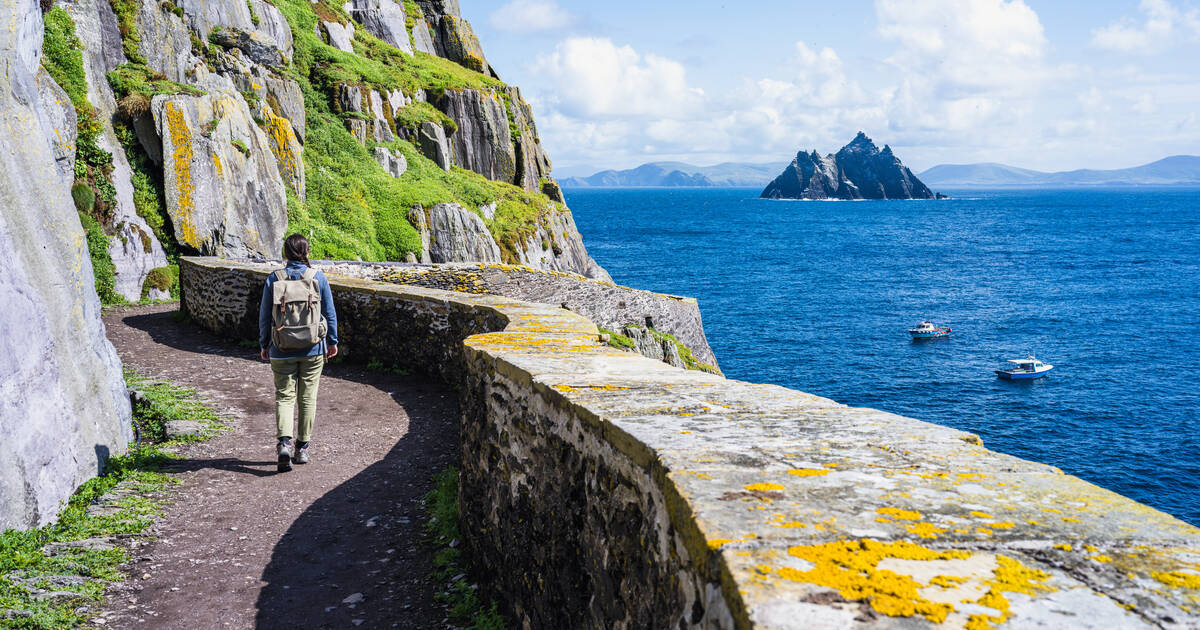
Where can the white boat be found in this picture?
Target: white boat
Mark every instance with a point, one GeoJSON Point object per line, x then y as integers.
{"type": "Point", "coordinates": [1026, 368]}
{"type": "Point", "coordinates": [928, 330]}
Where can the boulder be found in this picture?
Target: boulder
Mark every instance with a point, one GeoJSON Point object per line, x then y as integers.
{"type": "Point", "coordinates": [457, 42]}
{"type": "Point", "coordinates": [134, 250]}
{"type": "Point", "coordinates": [858, 171]}
{"type": "Point", "coordinates": [392, 161]}
{"type": "Point", "coordinates": [223, 188]}
{"type": "Point", "coordinates": [384, 19]}
{"type": "Point", "coordinates": [459, 235]}
{"type": "Point", "coordinates": [272, 24]}
{"type": "Point", "coordinates": [175, 429]}
{"type": "Point", "coordinates": [257, 48]}
{"type": "Point", "coordinates": [63, 407]}
{"type": "Point", "coordinates": [205, 15]}
{"type": "Point", "coordinates": [340, 35]}
{"type": "Point", "coordinates": [431, 139]}
{"type": "Point", "coordinates": [483, 142]}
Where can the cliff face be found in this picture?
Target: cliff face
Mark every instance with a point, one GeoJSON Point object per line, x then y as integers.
{"type": "Point", "coordinates": [201, 112]}
{"type": "Point", "coordinates": [63, 408]}
{"type": "Point", "coordinates": [858, 171]}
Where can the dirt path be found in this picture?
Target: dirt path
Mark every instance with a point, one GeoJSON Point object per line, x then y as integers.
{"type": "Point", "coordinates": [334, 544]}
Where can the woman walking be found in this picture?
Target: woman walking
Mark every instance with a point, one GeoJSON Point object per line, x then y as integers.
{"type": "Point", "coordinates": [297, 331]}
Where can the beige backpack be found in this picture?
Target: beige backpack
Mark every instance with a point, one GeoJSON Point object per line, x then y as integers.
{"type": "Point", "coordinates": [296, 318]}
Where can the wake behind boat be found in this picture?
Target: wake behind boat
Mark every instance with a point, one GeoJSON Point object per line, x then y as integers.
{"type": "Point", "coordinates": [928, 330]}
{"type": "Point", "coordinates": [1026, 368]}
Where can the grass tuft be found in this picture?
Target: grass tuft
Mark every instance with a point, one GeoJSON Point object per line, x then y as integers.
{"type": "Point", "coordinates": [462, 598]}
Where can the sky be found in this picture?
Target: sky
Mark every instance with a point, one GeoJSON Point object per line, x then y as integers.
{"type": "Point", "coordinates": [1037, 84]}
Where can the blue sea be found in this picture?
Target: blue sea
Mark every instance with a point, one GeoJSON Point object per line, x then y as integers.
{"type": "Point", "coordinates": [818, 296]}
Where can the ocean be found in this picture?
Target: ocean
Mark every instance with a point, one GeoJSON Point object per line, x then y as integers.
{"type": "Point", "coordinates": [818, 296]}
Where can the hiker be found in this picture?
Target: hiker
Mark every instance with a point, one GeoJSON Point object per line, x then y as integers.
{"type": "Point", "coordinates": [297, 331]}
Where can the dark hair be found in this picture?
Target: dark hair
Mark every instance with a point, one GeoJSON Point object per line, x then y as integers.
{"type": "Point", "coordinates": [295, 247]}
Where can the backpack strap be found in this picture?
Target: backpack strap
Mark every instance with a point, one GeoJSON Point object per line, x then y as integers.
{"type": "Point", "coordinates": [281, 275]}
{"type": "Point", "coordinates": [309, 274]}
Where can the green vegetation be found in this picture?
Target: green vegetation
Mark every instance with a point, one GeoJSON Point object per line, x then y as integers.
{"type": "Point", "coordinates": [380, 366]}
{"type": "Point", "coordinates": [622, 342]}
{"type": "Point", "coordinates": [63, 59]}
{"type": "Point", "coordinates": [352, 207]}
{"type": "Point", "coordinates": [21, 557]}
{"type": "Point", "coordinates": [163, 279]}
{"type": "Point", "coordinates": [85, 199]}
{"type": "Point", "coordinates": [163, 402]}
{"type": "Point", "coordinates": [140, 500]}
{"type": "Point", "coordinates": [442, 530]}
{"type": "Point", "coordinates": [149, 198]}
{"type": "Point", "coordinates": [617, 340]}
{"type": "Point", "coordinates": [131, 39]}
{"type": "Point", "coordinates": [253, 16]}
{"type": "Point", "coordinates": [685, 353]}
{"type": "Point", "coordinates": [138, 80]}
{"type": "Point", "coordinates": [241, 146]}
{"type": "Point", "coordinates": [103, 268]}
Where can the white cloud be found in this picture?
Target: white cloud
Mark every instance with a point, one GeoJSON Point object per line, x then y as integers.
{"type": "Point", "coordinates": [596, 78]}
{"type": "Point", "coordinates": [962, 80]}
{"type": "Point", "coordinates": [1162, 26]}
{"type": "Point", "coordinates": [528, 16]}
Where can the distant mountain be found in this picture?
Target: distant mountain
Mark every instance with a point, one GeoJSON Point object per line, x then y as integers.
{"type": "Point", "coordinates": [673, 174]}
{"type": "Point", "coordinates": [1172, 171]}
{"type": "Point", "coordinates": [858, 170]}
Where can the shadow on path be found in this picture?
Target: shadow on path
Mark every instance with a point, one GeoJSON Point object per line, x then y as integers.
{"type": "Point", "coordinates": [354, 557]}
{"type": "Point", "coordinates": [332, 544]}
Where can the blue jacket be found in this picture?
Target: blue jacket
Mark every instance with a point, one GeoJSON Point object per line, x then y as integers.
{"type": "Point", "coordinates": [295, 270]}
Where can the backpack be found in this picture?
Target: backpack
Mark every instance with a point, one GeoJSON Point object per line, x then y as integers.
{"type": "Point", "coordinates": [296, 318]}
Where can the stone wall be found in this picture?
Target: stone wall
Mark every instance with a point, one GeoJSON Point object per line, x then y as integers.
{"type": "Point", "coordinates": [601, 489]}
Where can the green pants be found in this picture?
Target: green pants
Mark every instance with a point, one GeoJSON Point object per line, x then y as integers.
{"type": "Point", "coordinates": [292, 374]}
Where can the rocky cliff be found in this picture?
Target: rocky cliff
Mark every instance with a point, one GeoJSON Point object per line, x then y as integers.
{"type": "Point", "coordinates": [858, 171]}
{"type": "Point", "coordinates": [63, 408]}
{"type": "Point", "coordinates": [217, 126]}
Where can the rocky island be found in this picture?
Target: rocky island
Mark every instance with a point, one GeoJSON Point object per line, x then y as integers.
{"type": "Point", "coordinates": [858, 171]}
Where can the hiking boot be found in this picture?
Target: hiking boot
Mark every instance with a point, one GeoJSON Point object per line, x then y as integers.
{"type": "Point", "coordinates": [284, 449]}
{"type": "Point", "coordinates": [301, 456]}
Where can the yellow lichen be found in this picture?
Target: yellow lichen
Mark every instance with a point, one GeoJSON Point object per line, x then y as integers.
{"type": "Point", "coordinates": [763, 487]}
{"type": "Point", "coordinates": [1178, 578]}
{"type": "Point", "coordinates": [1101, 558]}
{"type": "Point", "coordinates": [181, 139]}
{"type": "Point", "coordinates": [1068, 519]}
{"type": "Point", "coordinates": [1002, 525]}
{"type": "Point", "coordinates": [981, 515]}
{"type": "Point", "coordinates": [850, 568]}
{"type": "Point", "coordinates": [947, 581]}
{"type": "Point", "coordinates": [925, 530]}
{"type": "Point", "coordinates": [897, 513]}
{"type": "Point", "coordinates": [716, 543]}
{"type": "Point", "coordinates": [1063, 546]}
{"type": "Point", "coordinates": [807, 472]}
